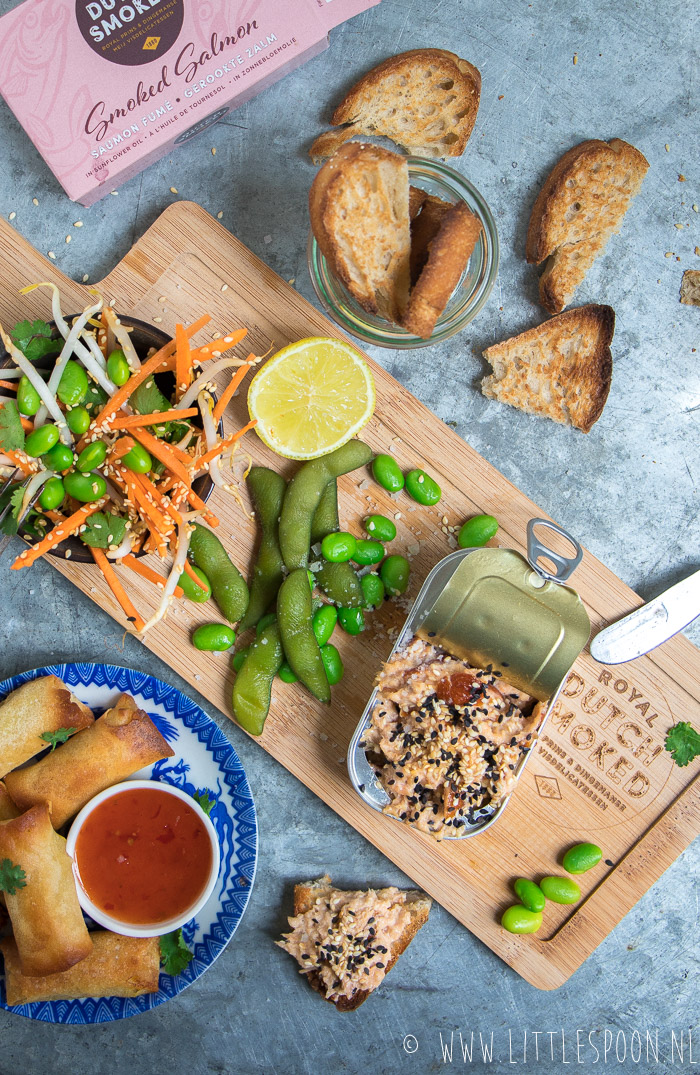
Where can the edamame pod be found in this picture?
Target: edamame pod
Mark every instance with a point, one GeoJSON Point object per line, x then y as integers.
{"type": "Point", "coordinates": [267, 490]}
{"type": "Point", "coordinates": [227, 584]}
{"type": "Point", "coordinates": [340, 584]}
{"type": "Point", "coordinates": [300, 646]}
{"type": "Point", "coordinates": [325, 520]}
{"type": "Point", "coordinates": [304, 494]}
{"type": "Point", "coordinates": [264, 622]}
{"type": "Point", "coordinates": [252, 689]}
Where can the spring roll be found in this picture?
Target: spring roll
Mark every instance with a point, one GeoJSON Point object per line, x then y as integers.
{"type": "Point", "coordinates": [8, 809]}
{"type": "Point", "coordinates": [116, 967]}
{"type": "Point", "coordinates": [38, 706]}
{"type": "Point", "coordinates": [121, 741]}
{"type": "Point", "coordinates": [47, 922]}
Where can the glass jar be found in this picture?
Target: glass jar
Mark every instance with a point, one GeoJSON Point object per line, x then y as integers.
{"type": "Point", "coordinates": [468, 297]}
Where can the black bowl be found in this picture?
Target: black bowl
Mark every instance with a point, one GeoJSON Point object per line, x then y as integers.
{"type": "Point", "coordinates": [144, 337]}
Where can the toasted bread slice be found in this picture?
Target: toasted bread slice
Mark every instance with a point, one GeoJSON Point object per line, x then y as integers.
{"type": "Point", "coordinates": [358, 205]}
{"type": "Point", "coordinates": [582, 203]}
{"type": "Point", "coordinates": [562, 369]}
{"type": "Point", "coordinates": [425, 224]}
{"type": "Point", "coordinates": [447, 254]}
{"type": "Point", "coordinates": [308, 895]}
{"type": "Point", "coordinates": [425, 100]}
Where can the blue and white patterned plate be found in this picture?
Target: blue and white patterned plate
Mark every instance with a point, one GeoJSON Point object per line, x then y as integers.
{"type": "Point", "coordinates": [203, 758]}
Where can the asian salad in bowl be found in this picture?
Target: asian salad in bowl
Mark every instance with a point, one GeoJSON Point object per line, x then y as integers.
{"type": "Point", "coordinates": [111, 439]}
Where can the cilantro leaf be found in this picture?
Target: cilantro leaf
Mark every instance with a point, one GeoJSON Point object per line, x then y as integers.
{"type": "Point", "coordinates": [34, 339]}
{"type": "Point", "coordinates": [104, 529]}
{"type": "Point", "coordinates": [13, 496]}
{"type": "Point", "coordinates": [11, 877]}
{"type": "Point", "coordinates": [204, 797]}
{"type": "Point", "coordinates": [682, 743]}
{"type": "Point", "coordinates": [11, 432]}
{"type": "Point", "coordinates": [59, 736]}
{"type": "Point", "coordinates": [174, 953]}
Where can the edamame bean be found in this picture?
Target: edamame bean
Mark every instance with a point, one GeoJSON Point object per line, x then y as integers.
{"type": "Point", "coordinates": [286, 674]}
{"type": "Point", "coordinates": [325, 520]}
{"type": "Point", "coordinates": [518, 919]}
{"type": "Point", "coordinates": [323, 623]}
{"type": "Point", "coordinates": [423, 488]}
{"type": "Point", "coordinates": [394, 573]}
{"type": "Point", "coordinates": [214, 637]}
{"type": "Point", "coordinates": [28, 399]}
{"type": "Point", "coordinates": [298, 640]}
{"type": "Point", "coordinates": [52, 494]}
{"type": "Point", "coordinates": [304, 494]}
{"type": "Point", "coordinates": [368, 552]}
{"type": "Point", "coordinates": [41, 440]}
{"type": "Point", "coordinates": [477, 531]}
{"type": "Point", "coordinates": [73, 386]}
{"type": "Point", "coordinates": [340, 584]}
{"type": "Point", "coordinates": [387, 472]}
{"type": "Point", "coordinates": [118, 367]}
{"type": "Point", "coordinates": [338, 548]}
{"type": "Point", "coordinates": [253, 686]}
{"type": "Point", "coordinates": [529, 894]}
{"type": "Point", "coordinates": [380, 528]}
{"type": "Point", "coordinates": [91, 457]}
{"type": "Point", "coordinates": [264, 622]}
{"type": "Point", "coordinates": [84, 487]}
{"type": "Point", "coordinates": [137, 459]}
{"type": "Point", "coordinates": [78, 420]}
{"type": "Point", "coordinates": [227, 584]}
{"type": "Point", "coordinates": [373, 590]}
{"type": "Point", "coordinates": [560, 889]}
{"type": "Point", "coordinates": [59, 458]}
{"type": "Point", "coordinates": [238, 659]}
{"type": "Point", "coordinates": [192, 591]}
{"type": "Point", "coordinates": [332, 663]}
{"type": "Point", "coordinates": [582, 857]}
{"type": "Point", "coordinates": [267, 490]}
{"type": "Point", "coordinates": [352, 620]}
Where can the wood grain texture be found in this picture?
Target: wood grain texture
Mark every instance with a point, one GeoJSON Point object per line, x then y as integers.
{"type": "Point", "coordinates": [599, 770]}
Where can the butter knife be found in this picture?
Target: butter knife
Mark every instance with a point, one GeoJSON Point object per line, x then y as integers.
{"type": "Point", "coordinates": [650, 625]}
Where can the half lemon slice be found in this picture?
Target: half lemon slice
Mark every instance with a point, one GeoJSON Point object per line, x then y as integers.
{"type": "Point", "coordinates": [311, 397]}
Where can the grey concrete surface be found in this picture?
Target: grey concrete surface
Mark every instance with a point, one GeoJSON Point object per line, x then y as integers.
{"type": "Point", "coordinates": [629, 491]}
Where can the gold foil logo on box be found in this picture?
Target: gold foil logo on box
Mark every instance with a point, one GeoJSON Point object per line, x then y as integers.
{"type": "Point", "coordinates": [151, 43]}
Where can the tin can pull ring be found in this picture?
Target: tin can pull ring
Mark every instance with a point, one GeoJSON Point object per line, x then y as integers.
{"type": "Point", "coordinates": [564, 565]}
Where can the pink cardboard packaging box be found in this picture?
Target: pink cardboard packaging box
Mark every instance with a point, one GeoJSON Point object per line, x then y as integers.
{"type": "Point", "coordinates": [105, 87]}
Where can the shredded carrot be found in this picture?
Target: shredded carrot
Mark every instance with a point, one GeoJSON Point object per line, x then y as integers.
{"type": "Point", "coordinates": [159, 361]}
{"type": "Point", "coordinates": [174, 415]}
{"type": "Point", "coordinates": [168, 454]}
{"type": "Point", "coordinates": [224, 444]}
{"type": "Point", "coordinates": [122, 447]}
{"type": "Point", "coordinates": [117, 589]}
{"type": "Point", "coordinates": [217, 347]}
{"type": "Point", "coordinates": [62, 530]}
{"type": "Point", "coordinates": [164, 504]}
{"type": "Point", "coordinates": [231, 388]}
{"type": "Point", "coordinates": [12, 385]}
{"type": "Point", "coordinates": [20, 460]}
{"type": "Point", "coordinates": [183, 362]}
{"type": "Point", "coordinates": [197, 502]}
{"type": "Point", "coordinates": [148, 573]}
{"type": "Point", "coordinates": [146, 506]}
{"type": "Point", "coordinates": [194, 576]}
{"type": "Point", "coordinates": [27, 426]}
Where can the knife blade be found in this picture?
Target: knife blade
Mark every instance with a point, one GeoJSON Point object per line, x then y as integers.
{"type": "Point", "coordinates": [650, 625]}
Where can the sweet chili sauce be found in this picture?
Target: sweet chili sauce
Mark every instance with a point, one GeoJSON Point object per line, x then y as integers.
{"type": "Point", "coordinates": [144, 856]}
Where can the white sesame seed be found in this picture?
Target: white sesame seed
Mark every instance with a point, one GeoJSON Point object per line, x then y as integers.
{"type": "Point", "coordinates": [219, 215]}
{"type": "Point", "coordinates": [695, 209]}
{"type": "Point", "coordinates": [174, 190]}
{"type": "Point", "coordinates": [158, 319]}
{"type": "Point", "coordinates": [35, 201]}
{"type": "Point", "coordinates": [679, 226]}
{"type": "Point", "coordinates": [12, 216]}
{"type": "Point", "coordinates": [224, 287]}
{"type": "Point", "coordinates": [52, 255]}
{"type": "Point", "coordinates": [68, 238]}
{"type": "Point", "coordinates": [575, 58]}
{"type": "Point", "coordinates": [78, 224]}
{"type": "Point", "coordinates": [667, 148]}
{"type": "Point", "coordinates": [114, 192]}
{"type": "Point", "coordinates": [213, 151]}
{"type": "Point", "coordinates": [85, 278]}
{"type": "Point", "coordinates": [668, 254]}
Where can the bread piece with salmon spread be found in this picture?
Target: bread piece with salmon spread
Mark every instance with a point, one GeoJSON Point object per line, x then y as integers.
{"type": "Point", "coordinates": [358, 204]}
{"type": "Point", "coordinates": [561, 369]}
{"type": "Point", "coordinates": [582, 203]}
{"type": "Point", "coordinates": [425, 100]}
{"type": "Point", "coordinates": [449, 243]}
{"type": "Point", "coordinates": [347, 942]}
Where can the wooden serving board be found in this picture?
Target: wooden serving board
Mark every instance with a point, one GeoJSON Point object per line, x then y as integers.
{"type": "Point", "coordinates": [599, 770]}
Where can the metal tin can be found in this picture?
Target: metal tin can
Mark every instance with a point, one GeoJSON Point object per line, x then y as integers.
{"type": "Point", "coordinates": [493, 607]}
